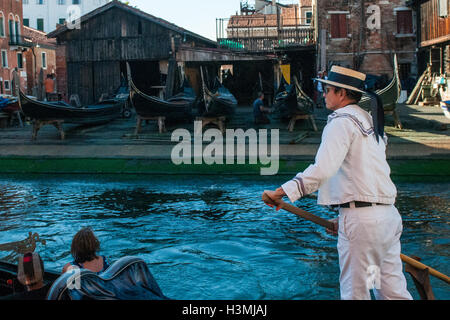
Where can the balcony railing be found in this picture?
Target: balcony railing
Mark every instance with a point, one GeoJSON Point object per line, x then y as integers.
{"type": "Point", "coordinates": [269, 42]}
{"type": "Point", "coordinates": [19, 41]}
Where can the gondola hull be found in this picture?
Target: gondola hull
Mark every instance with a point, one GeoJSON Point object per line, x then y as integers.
{"type": "Point", "coordinates": [292, 101]}
{"type": "Point", "coordinates": [222, 103]}
{"type": "Point", "coordinates": [389, 95]}
{"type": "Point", "coordinates": [148, 106]}
{"type": "Point", "coordinates": [102, 112]}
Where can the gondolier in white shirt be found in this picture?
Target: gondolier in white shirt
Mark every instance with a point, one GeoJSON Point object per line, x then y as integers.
{"type": "Point", "coordinates": [351, 173]}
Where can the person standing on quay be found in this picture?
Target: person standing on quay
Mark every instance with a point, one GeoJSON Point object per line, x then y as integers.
{"type": "Point", "coordinates": [49, 85]}
{"type": "Point", "coordinates": [352, 174]}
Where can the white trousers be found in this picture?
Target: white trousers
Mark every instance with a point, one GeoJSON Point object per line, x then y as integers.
{"type": "Point", "coordinates": [369, 253]}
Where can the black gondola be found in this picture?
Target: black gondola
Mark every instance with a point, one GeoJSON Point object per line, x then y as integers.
{"type": "Point", "coordinates": [101, 112]}
{"type": "Point", "coordinates": [186, 93]}
{"type": "Point", "coordinates": [150, 106]}
{"type": "Point", "coordinates": [219, 101]}
{"type": "Point", "coordinates": [290, 100]}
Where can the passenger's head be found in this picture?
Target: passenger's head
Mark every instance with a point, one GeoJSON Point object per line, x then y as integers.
{"type": "Point", "coordinates": [30, 269]}
{"type": "Point", "coordinates": [84, 245]}
{"type": "Point", "coordinates": [260, 95]}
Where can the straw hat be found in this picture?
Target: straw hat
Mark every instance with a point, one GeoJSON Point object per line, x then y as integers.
{"type": "Point", "coordinates": [345, 78]}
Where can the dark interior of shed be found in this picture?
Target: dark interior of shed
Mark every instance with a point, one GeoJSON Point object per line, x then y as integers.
{"type": "Point", "coordinates": [145, 74]}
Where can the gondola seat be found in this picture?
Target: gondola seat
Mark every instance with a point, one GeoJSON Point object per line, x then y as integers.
{"type": "Point", "coordinates": [127, 279]}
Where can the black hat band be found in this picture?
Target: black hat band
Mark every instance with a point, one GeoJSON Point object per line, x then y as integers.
{"type": "Point", "coordinates": [346, 80]}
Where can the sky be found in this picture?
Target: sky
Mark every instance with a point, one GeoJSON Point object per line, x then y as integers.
{"type": "Point", "coordinates": [198, 16]}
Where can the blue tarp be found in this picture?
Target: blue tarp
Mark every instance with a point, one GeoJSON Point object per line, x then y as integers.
{"type": "Point", "coordinates": [3, 102]}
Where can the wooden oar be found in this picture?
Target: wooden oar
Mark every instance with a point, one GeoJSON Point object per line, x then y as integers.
{"type": "Point", "coordinates": [330, 225]}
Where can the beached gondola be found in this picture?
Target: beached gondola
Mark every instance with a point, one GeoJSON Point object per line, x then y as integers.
{"type": "Point", "coordinates": [291, 100]}
{"type": "Point", "coordinates": [101, 112]}
{"type": "Point", "coordinates": [186, 93]}
{"type": "Point", "coordinates": [389, 95]}
{"type": "Point", "coordinates": [150, 106]}
{"type": "Point", "coordinates": [219, 101]}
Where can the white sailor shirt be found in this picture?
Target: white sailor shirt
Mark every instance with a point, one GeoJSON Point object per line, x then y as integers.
{"type": "Point", "coordinates": [350, 164]}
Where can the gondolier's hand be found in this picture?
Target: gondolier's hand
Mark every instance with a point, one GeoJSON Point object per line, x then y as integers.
{"type": "Point", "coordinates": [336, 227]}
{"type": "Point", "coordinates": [276, 196]}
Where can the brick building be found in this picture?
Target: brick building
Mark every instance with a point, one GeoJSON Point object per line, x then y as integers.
{"type": "Point", "coordinates": [40, 60]}
{"type": "Point", "coordinates": [12, 45]}
{"type": "Point", "coordinates": [365, 35]}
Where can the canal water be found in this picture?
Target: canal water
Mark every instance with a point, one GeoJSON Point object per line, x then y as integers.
{"type": "Point", "coordinates": [210, 237]}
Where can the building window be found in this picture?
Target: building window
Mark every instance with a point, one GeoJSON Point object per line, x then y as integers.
{"type": "Point", "coordinates": [11, 29]}
{"type": "Point", "coordinates": [76, 1]}
{"type": "Point", "coordinates": [26, 22]}
{"type": "Point", "coordinates": [44, 60]}
{"type": "Point", "coordinates": [40, 24]}
{"type": "Point", "coordinates": [62, 20]}
{"type": "Point", "coordinates": [2, 25]}
{"type": "Point", "coordinates": [338, 25]}
{"type": "Point", "coordinates": [25, 2]}
{"type": "Point", "coordinates": [308, 16]}
{"type": "Point", "coordinates": [19, 60]}
{"type": "Point", "coordinates": [404, 22]}
{"type": "Point", "coordinates": [61, 2]}
{"type": "Point", "coordinates": [139, 28]}
{"type": "Point", "coordinates": [4, 59]}
{"type": "Point", "coordinates": [7, 88]}
{"type": "Point", "coordinates": [39, 1]}
{"type": "Point", "coordinates": [17, 31]}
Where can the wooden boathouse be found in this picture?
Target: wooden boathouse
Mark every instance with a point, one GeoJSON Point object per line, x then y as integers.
{"type": "Point", "coordinates": [433, 41]}
{"type": "Point", "coordinates": [96, 53]}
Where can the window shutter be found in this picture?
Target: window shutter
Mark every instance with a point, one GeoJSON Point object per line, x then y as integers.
{"type": "Point", "coordinates": [342, 26]}
{"type": "Point", "coordinates": [404, 22]}
{"type": "Point", "coordinates": [338, 25]}
{"type": "Point", "coordinates": [335, 26]}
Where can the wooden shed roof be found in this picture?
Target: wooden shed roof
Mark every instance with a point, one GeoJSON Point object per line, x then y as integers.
{"type": "Point", "coordinates": [142, 14]}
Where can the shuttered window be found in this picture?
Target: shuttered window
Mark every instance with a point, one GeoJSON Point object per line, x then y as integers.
{"type": "Point", "coordinates": [2, 25]}
{"type": "Point", "coordinates": [44, 60]}
{"type": "Point", "coordinates": [338, 25]}
{"type": "Point", "coordinates": [40, 24]}
{"type": "Point", "coordinates": [404, 22]}
{"type": "Point", "coordinates": [4, 59]}
{"type": "Point", "coordinates": [20, 60]}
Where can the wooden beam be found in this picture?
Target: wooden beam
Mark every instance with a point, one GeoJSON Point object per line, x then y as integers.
{"type": "Point", "coordinates": [435, 41]}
